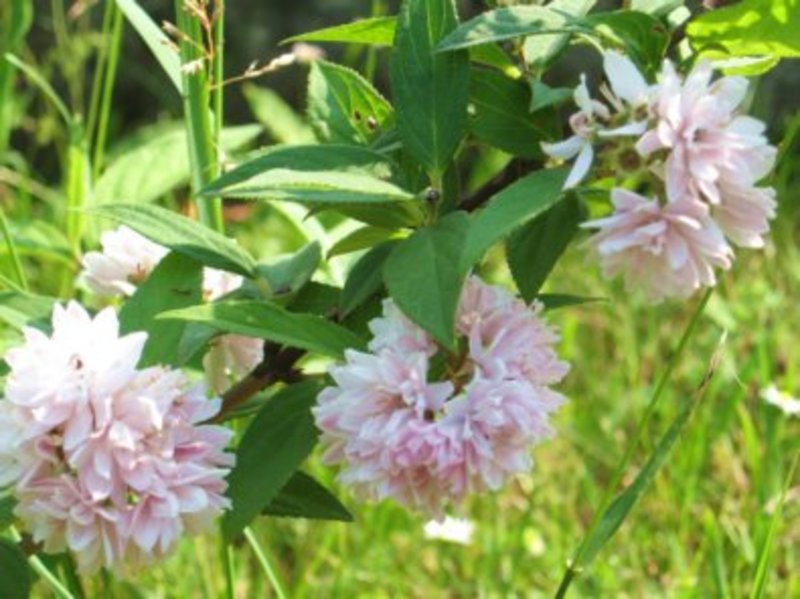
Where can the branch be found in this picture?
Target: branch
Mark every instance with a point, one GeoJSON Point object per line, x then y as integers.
{"type": "Point", "coordinates": [278, 366]}
{"type": "Point", "coordinates": [516, 169]}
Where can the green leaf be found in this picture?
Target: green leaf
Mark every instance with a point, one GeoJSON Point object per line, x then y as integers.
{"type": "Point", "coordinates": [511, 208]}
{"type": "Point", "coordinates": [182, 235]}
{"type": "Point", "coordinates": [155, 38]}
{"type": "Point", "coordinates": [388, 216]}
{"type": "Point", "coordinates": [365, 278]}
{"type": "Point", "coordinates": [289, 275]}
{"type": "Point", "coordinates": [539, 50]}
{"type": "Point", "coordinates": [318, 188]}
{"type": "Point", "coordinates": [16, 576]}
{"type": "Point", "coordinates": [16, 18]}
{"type": "Point", "coordinates": [503, 24]}
{"type": "Point", "coordinates": [644, 38]}
{"type": "Point", "coordinates": [316, 298]}
{"type": "Point", "coordinates": [534, 249]}
{"type": "Point", "coordinates": [657, 8]}
{"type": "Point", "coordinates": [554, 301]}
{"type": "Point", "coordinates": [363, 238]}
{"type": "Point", "coordinates": [378, 31]}
{"type": "Point", "coordinates": [40, 239]}
{"type": "Point", "coordinates": [304, 497]}
{"type": "Point", "coordinates": [265, 320]}
{"type": "Point", "coordinates": [175, 283]}
{"type": "Point", "coordinates": [158, 165]}
{"type": "Point", "coordinates": [431, 90]}
{"type": "Point", "coordinates": [544, 96]}
{"type": "Point", "coordinates": [277, 116]}
{"type": "Point", "coordinates": [314, 158]}
{"type": "Point", "coordinates": [425, 273]}
{"type": "Point", "coordinates": [354, 194]}
{"type": "Point", "coordinates": [19, 309]}
{"type": "Point", "coordinates": [277, 441]}
{"type": "Point", "coordinates": [344, 107]}
{"type": "Point", "coordinates": [37, 79]}
{"type": "Point", "coordinates": [501, 116]}
{"type": "Point", "coordinates": [750, 28]}
{"type": "Point", "coordinates": [7, 505]}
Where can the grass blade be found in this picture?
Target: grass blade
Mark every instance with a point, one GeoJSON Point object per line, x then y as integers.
{"type": "Point", "coordinates": [765, 554]}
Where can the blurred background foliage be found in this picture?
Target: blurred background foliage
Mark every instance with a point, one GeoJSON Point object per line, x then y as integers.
{"type": "Point", "coordinates": [698, 531]}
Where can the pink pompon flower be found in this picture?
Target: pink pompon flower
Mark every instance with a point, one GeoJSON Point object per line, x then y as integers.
{"type": "Point", "coordinates": [668, 251]}
{"type": "Point", "coordinates": [127, 258]}
{"type": "Point", "coordinates": [394, 331]}
{"type": "Point", "coordinates": [428, 444]}
{"type": "Point", "coordinates": [110, 462]}
{"type": "Point", "coordinates": [744, 213]}
{"type": "Point", "coordinates": [709, 146]}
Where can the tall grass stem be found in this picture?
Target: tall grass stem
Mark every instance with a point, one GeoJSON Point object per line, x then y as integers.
{"type": "Point", "coordinates": [261, 556]}
{"type": "Point", "coordinates": [198, 115]}
{"type": "Point", "coordinates": [108, 91]}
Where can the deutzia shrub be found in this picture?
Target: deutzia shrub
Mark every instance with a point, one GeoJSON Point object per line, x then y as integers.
{"type": "Point", "coordinates": [180, 360]}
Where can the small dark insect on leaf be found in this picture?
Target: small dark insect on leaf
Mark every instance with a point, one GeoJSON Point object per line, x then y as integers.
{"type": "Point", "coordinates": [372, 123]}
{"type": "Point", "coordinates": [357, 115]}
{"type": "Point", "coordinates": [433, 195]}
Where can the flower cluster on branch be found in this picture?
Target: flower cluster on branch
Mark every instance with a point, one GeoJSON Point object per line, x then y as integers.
{"type": "Point", "coordinates": [685, 166]}
{"type": "Point", "coordinates": [411, 421]}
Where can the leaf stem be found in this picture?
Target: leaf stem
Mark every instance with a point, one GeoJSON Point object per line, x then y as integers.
{"type": "Point", "coordinates": [575, 565]}
{"type": "Point", "coordinates": [276, 366]}
{"type": "Point", "coordinates": [265, 564]}
{"type": "Point", "coordinates": [59, 590]}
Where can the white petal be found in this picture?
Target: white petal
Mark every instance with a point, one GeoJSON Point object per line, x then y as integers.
{"type": "Point", "coordinates": [625, 79]}
{"type": "Point", "coordinates": [566, 149]}
{"type": "Point", "coordinates": [581, 167]}
{"type": "Point", "coordinates": [635, 128]}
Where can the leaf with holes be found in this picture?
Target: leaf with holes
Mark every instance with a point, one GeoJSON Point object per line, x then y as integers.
{"type": "Point", "coordinates": [344, 107]}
